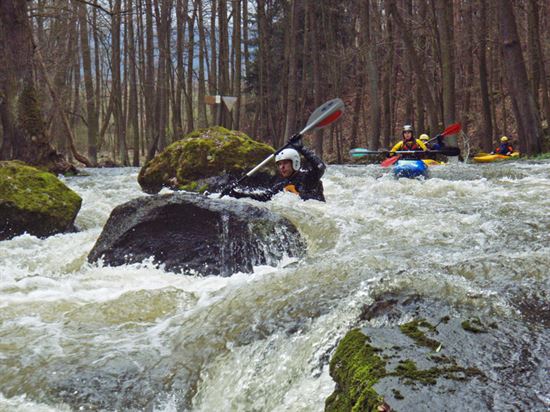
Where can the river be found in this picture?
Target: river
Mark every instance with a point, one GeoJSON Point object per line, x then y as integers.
{"type": "Point", "coordinates": [80, 336]}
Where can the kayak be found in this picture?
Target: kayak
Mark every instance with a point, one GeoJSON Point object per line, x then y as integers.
{"type": "Point", "coordinates": [432, 162]}
{"type": "Point", "coordinates": [490, 158]}
{"type": "Point", "coordinates": [410, 168]}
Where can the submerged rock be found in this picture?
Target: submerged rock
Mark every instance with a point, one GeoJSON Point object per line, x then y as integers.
{"type": "Point", "coordinates": [206, 153]}
{"type": "Point", "coordinates": [195, 234]}
{"type": "Point", "coordinates": [34, 201]}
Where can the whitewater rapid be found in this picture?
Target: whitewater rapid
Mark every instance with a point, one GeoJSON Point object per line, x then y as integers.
{"type": "Point", "coordinates": [75, 335]}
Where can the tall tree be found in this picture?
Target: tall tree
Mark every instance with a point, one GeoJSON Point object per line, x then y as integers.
{"type": "Point", "coordinates": [24, 131]}
{"type": "Point", "coordinates": [527, 119]}
{"type": "Point", "coordinates": [487, 129]}
{"type": "Point", "coordinates": [88, 83]}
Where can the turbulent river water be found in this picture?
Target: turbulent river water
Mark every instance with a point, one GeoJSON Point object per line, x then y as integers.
{"type": "Point", "coordinates": [75, 335]}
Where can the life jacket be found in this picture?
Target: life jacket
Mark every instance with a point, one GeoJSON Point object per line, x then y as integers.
{"type": "Point", "coordinates": [410, 145]}
{"type": "Point", "coordinates": [291, 188]}
{"type": "Point", "coordinates": [504, 148]}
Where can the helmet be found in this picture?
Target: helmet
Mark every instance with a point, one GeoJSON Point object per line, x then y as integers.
{"type": "Point", "coordinates": [424, 137]}
{"type": "Point", "coordinates": [408, 128]}
{"type": "Point", "coordinates": [289, 154]}
{"type": "Point", "coordinates": [503, 139]}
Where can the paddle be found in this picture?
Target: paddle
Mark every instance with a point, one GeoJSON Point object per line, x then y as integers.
{"type": "Point", "coordinates": [449, 130]}
{"type": "Point", "coordinates": [360, 152]}
{"type": "Point", "coordinates": [323, 116]}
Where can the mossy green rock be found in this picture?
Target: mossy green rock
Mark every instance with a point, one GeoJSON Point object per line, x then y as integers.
{"type": "Point", "coordinates": [202, 154]}
{"type": "Point", "coordinates": [355, 367]}
{"type": "Point", "coordinates": [34, 201]}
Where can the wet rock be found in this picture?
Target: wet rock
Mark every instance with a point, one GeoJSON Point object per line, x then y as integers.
{"type": "Point", "coordinates": [195, 234]}
{"type": "Point", "coordinates": [205, 153]}
{"type": "Point", "coordinates": [418, 353]}
{"type": "Point", "coordinates": [34, 201]}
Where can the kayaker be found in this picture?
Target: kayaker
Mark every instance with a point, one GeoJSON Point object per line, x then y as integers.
{"type": "Point", "coordinates": [435, 144]}
{"type": "Point", "coordinates": [305, 182]}
{"type": "Point", "coordinates": [408, 142]}
{"type": "Point", "coordinates": [505, 147]}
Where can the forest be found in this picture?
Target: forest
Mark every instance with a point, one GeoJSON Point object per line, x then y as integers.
{"type": "Point", "coordinates": [96, 82]}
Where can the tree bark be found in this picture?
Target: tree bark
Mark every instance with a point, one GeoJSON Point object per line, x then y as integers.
{"type": "Point", "coordinates": [118, 112]}
{"type": "Point", "coordinates": [24, 135]}
{"type": "Point", "coordinates": [292, 85]}
{"type": "Point", "coordinates": [487, 136]}
{"type": "Point", "coordinates": [529, 127]}
{"type": "Point", "coordinates": [372, 70]}
{"type": "Point", "coordinates": [88, 84]}
{"type": "Point", "coordinates": [133, 109]}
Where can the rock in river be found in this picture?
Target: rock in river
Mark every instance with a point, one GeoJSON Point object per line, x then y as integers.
{"type": "Point", "coordinates": [195, 234]}
{"type": "Point", "coordinates": [34, 201]}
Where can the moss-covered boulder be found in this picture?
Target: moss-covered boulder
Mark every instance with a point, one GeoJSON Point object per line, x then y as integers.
{"type": "Point", "coordinates": [34, 201]}
{"type": "Point", "coordinates": [202, 154]}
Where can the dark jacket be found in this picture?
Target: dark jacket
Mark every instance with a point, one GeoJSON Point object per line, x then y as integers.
{"type": "Point", "coordinates": [504, 148]}
{"type": "Point", "coordinates": [306, 182]}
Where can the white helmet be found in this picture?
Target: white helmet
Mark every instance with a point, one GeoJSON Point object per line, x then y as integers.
{"type": "Point", "coordinates": [289, 154]}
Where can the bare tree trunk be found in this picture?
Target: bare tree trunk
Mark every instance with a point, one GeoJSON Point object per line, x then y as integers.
{"type": "Point", "coordinates": [223, 61]}
{"type": "Point", "coordinates": [386, 85]}
{"type": "Point", "coordinates": [316, 68]}
{"type": "Point", "coordinates": [133, 119]}
{"type": "Point", "coordinates": [88, 84]}
{"type": "Point", "coordinates": [291, 95]}
{"type": "Point", "coordinates": [202, 58]}
{"type": "Point", "coordinates": [530, 138]}
{"type": "Point", "coordinates": [118, 113]}
{"type": "Point", "coordinates": [24, 129]}
{"type": "Point", "coordinates": [444, 15]}
{"type": "Point", "coordinates": [487, 137]}
{"type": "Point", "coordinates": [213, 80]}
{"type": "Point", "coordinates": [181, 18]}
{"type": "Point", "coordinates": [189, 78]}
{"type": "Point", "coordinates": [246, 37]}
{"type": "Point", "coordinates": [149, 87]}
{"type": "Point", "coordinates": [372, 69]}
{"type": "Point", "coordinates": [238, 63]}
{"type": "Point", "coordinates": [538, 69]}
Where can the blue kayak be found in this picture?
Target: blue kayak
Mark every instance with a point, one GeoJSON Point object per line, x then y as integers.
{"type": "Point", "coordinates": [410, 168]}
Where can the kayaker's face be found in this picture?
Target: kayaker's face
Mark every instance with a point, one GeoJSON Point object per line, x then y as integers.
{"type": "Point", "coordinates": [285, 168]}
{"type": "Point", "coordinates": [407, 135]}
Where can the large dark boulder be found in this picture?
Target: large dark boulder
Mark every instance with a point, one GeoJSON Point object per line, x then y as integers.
{"type": "Point", "coordinates": [196, 162]}
{"type": "Point", "coordinates": [195, 234]}
{"type": "Point", "coordinates": [34, 201]}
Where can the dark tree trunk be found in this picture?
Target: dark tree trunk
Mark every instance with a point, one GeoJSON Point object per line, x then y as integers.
{"type": "Point", "coordinates": [487, 130]}
{"type": "Point", "coordinates": [24, 130]}
{"type": "Point", "coordinates": [89, 85]}
{"type": "Point", "coordinates": [530, 133]}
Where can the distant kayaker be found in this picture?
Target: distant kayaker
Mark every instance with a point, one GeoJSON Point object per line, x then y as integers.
{"type": "Point", "coordinates": [305, 182]}
{"type": "Point", "coordinates": [435, 144]}
{"type": "Point", "coordinates": [505, 147]}
{"type": "Point", "coordinates": [408, 142]}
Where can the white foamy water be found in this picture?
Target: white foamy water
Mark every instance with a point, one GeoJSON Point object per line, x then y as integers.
{"type": "Point", "coordinates": [78, 335]}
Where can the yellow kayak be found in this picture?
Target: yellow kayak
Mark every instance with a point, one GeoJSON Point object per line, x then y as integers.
{"type": "Point", "coordinates": [490, 158]}
{"type": "Point", "coordinates": [432, 162]}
